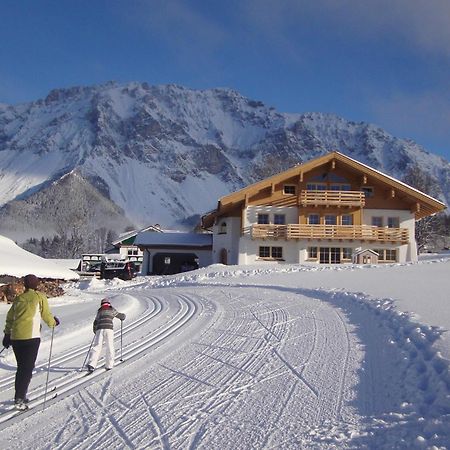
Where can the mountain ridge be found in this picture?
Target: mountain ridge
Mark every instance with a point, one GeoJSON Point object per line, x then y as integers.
{"type": "Point", "coordinates": [165, 154]}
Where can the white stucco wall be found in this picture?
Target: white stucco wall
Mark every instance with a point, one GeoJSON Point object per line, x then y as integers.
{"type": "Point", "coordinates": [251, 215]}
{"type": "Point", "coordinates": [228, 240]}
{"type": "Point", "coordinates": [407, 220]}
{"type": "Point", "coordinates": [249, 250]}
{"type": "Point", "coordinates": [244, 250]}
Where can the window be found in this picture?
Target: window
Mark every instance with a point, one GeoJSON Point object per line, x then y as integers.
{"type": "Point", "coordinates": [347, 253]}
{"type": "Point", "coordinates": [271, 252]}
{"type": "Point", "coordinates": [330, 255]}
{"type": "Point", "coordinates": [279, 219]}
{"type": "Point", "coordinates": [386, 254]}
{"type": "Point", "coordinates": [316, 187]}
{"type": "Point", "coordinates": [277, 252]}
{"type": "Point", "coordinates": [263, 219]}
{"type": "Point", "coordinates": [132, 252]}
{"type": "Point", "coordinates": [340, 187]}
{"type": "Point", "coordinates": [289, 189]}
{"type": "Point", "coordinates": [347, 219]}
{"type": "Point", "coordinates": [313, 219]}
{"type": "Point", "coordinates": [312, 252]}
{"type": "Point", "coordinates": [368, 191]}
{"type": "Point", "coordinates": [377, 221]}
{"type": "Point", "coordinates": [393, 222]}
{"type": "Point", "coordinates": [391, 255]}
{"type": "Point", "coordinates": [330, 219]}
{"type": "Point", "coordinates": [223, 228]}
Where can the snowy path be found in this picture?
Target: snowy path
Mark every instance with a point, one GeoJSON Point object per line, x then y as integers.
{"type": "Point", "coordinates": [248, 366]}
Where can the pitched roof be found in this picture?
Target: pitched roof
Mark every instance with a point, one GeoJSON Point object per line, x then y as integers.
{"type": "Point", "coordinates": [366, 250]}
{"type": "Point", "coordinates": [149, 239]}
{"type": "Point", "coordinates": [130, 234]}
{"type": "Point", "coordinates": [429, 204]}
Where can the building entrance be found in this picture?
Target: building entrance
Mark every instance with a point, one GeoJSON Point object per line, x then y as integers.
{"type": "Point", "coordinates": [330, 255]}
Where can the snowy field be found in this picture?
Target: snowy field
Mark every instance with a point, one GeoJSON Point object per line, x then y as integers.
{"type": "Point", "coordinates": [266, 357]}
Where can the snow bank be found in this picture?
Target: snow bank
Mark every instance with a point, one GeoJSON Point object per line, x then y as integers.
{"type": "Point", "coordinates": [18, 262]}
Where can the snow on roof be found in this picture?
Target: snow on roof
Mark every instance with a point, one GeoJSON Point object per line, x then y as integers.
{"type": "Point", "coordinates": [17, 262]}
{"type": "Point", "coordinates": [128, 234]}
{"type": "Point", "coordinates": [173, 239]}
{"type": "Point", "coordinates": [391, 178]}
{"type": "Point", "coordinates": [364, 250]}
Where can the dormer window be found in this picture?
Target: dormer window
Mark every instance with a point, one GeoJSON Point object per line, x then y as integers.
{"type": "Point", "coordinates": [289, 189]}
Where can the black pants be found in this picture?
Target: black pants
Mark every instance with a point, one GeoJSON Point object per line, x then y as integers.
{"type": "Point", "coordinates": [26, 351]}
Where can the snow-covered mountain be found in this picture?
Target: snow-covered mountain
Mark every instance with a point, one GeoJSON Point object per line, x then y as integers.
{"type": "Point", "coordinates": [164, 154]}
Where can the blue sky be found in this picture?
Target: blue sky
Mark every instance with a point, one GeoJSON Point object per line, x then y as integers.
{"type": "Point", "coordinates": [382, 61]}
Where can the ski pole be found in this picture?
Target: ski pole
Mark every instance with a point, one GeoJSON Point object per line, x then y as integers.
{"type": "Point", "coordinates": [48, 368]}
{"type": "Point", "coordinates": [121, 335]}
{"type": "Point", "coordinates": [87, 354]}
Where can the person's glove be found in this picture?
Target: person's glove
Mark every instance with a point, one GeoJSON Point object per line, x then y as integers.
{"type": "Point", "coordinates": [6, 340]}
{"type": "Point", "coordinates": [123, 318]}
{"type": "Point", "coordinates": [57, 321]}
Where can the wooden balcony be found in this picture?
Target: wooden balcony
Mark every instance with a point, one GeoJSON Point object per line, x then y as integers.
{"type": "Point", "coordinates": [334, 232]}
{"type": "Point", "coordinates": [333, 198]}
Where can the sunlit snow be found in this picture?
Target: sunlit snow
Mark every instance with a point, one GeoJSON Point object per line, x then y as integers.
{"type": "Point", "coordinates": [239, 357]}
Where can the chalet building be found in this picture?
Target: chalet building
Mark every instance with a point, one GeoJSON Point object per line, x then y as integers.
{"type": "Point", "coordinates": [329, 210]}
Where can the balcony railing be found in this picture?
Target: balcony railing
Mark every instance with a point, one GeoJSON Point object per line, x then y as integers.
{"type": "Point", "coordinates": [348, 232]}
{"type": "Point", "coordinates": [332, 198]}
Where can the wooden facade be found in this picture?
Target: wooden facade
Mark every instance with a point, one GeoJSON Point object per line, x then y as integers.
{"type": "Point", "coordinates": [332, 198]}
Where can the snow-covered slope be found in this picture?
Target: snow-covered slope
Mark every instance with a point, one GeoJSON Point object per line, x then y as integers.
{"type": "Point", "coordinates": [164, 154]}
{"type": "Point", "coordinates": [17, 262]}
{"type": "Point", "coordinates": [238, 357]}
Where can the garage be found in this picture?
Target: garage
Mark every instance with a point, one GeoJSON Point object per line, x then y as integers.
{"type": "Point", "coordinates": [169, 253]}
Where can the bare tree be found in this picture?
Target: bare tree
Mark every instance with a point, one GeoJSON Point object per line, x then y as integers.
{"type": "Point", "coordinates": [429, 230]}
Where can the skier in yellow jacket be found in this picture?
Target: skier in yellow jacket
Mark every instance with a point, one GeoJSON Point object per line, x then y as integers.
{"type": "Point", "coordinates": [22, 331]}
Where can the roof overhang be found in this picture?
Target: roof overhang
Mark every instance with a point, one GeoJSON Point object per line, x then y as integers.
{"type": "Point", "coordinates": [424, 205]}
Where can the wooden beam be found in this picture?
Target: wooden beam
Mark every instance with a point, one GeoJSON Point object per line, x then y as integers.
{"type": "Point", "coordinates": [301, 176]}
{"type": "Point", "coordinates": [272, 188]}
{"type": "Point", "coordinates": [390, 194]}
{"type": "Point", "coordinates": [246, 200]}
{"type": "Point", "coordinates": [415, 208]}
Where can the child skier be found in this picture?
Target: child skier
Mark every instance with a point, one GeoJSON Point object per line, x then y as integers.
{"type": "Point", "coordinates": [103, 329]}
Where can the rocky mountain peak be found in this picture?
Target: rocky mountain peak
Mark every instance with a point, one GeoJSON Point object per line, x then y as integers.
{"type": "Point", "coordinates": [166, 153]}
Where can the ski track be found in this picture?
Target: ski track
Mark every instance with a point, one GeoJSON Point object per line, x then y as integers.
{"type": "Point", "coordinates": [294, 369]}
